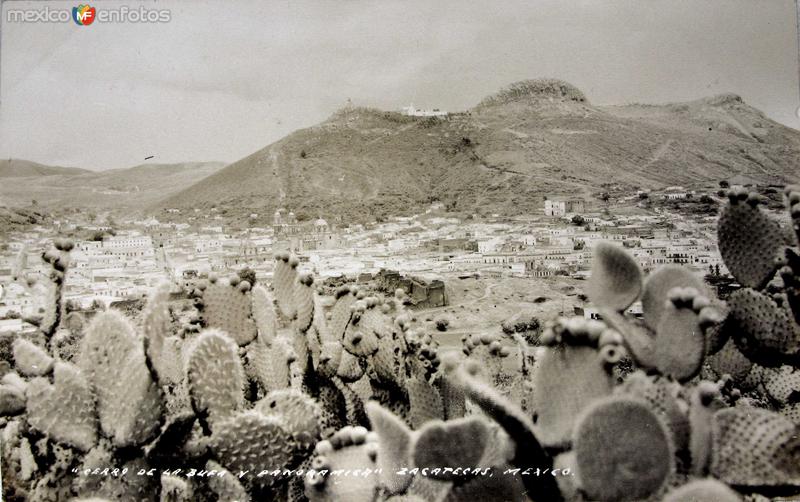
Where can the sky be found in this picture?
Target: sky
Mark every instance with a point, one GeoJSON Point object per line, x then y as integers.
{"type": "Point", "coordinates": [225, 78]}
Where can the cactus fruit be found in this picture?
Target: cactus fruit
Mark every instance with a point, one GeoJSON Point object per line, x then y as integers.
{"type": "Point", "coordinates": [703, 490]}
{"type": "Point", "coordinates": [215, 376]}
{"type": "Point", "coordinates": [754, 447]}
{"type": "Point", "coordinates": [65, 410]}
{"type": "Point", "coordinates": [622, 450]}
{"type": "Point", "coordinates": [30, 359]}
{"type": "Point", "coordinates": [394, 447]}
{"type": "Point", "coordinates": [229, 309]}
{"type": "Point", "coordinates": [571, 354]}
{"type": "Point", "coordinates": [749, 240]}
{"type": "Point", "coordinates": [616, 280]}
{"type": "Point", "coordinates": [129, 403]}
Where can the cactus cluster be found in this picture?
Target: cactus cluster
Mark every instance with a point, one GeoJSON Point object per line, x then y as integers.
{"type": "Point", "coordinates": [278, 393]}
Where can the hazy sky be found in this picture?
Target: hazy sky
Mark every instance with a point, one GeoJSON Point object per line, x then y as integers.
{"type": "Point", "coordinates": [225, 78]}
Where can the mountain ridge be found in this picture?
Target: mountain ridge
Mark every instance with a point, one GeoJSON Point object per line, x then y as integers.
{"type": "Point", "coordinates": [530, 140]}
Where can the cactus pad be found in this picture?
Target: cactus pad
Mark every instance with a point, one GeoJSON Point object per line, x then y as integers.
{"type": "Point", "coordinates": [304, 301]}
{"type": "Point", "coordinates": [215, 376]}
{"type": "Point", "coordinates": [452, 443]}
{"type": "Point", "coordinates": [284, 279]}
{"type": "Point", "coordinates": [782, 384]}
{"type": "Point", "coordinates": [129, 403]}
{"type": "Point", "coordinates": [679, 342]}
{"type": "Point", "coordinates": [658, 285]}
{"type": "Point", "coordinates": [251, 441]}
{"type": "Point", "coordinates": [763, 330]}
{"type": "Point", "coordinates": [394, 447]}
{"type": "Point", "coordinates": [349, 449]}
{"type": "Point", "coordinates": [226, 486]}
{"type": "Point", "coordinates": [703, 490]}
{"type": "Point", "coordinates": [622, 450]}
{"type": "Point", "coordinates": [556, 405]}
{"type": "Point", "coordinates": [749, 240]}
{"type": "Point", "coordinates": [730, 361]}
{"type": "Point", "coordinates": [754, 447]}
{"type": "Point", "coordinates": [616, 280]}
{"type": "Point", "coordinates": [30, 359]}
{"type": "Point", "coordinates": [65, 410]}
{"type": "Point", "coordinates": [299, 412]}
{"type": "Point", "coordinates": [264, 314]}
{"type": "Point", "coordinates": [228, 308]}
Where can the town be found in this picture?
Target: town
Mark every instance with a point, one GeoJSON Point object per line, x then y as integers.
{"type": "Point", "coordinates": [435, 257]}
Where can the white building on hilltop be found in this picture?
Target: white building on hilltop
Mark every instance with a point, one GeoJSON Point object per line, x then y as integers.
{"type": "Point", "coordinates": [412, 111]}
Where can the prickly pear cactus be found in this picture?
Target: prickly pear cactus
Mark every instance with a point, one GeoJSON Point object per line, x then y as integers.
{"type": "Point", "coordinates": [215, 376]}
{"type": "Point", "coordinates": [582, 353]}
{"type": "Point", "coordinates": [64, 410]}
{"type": "Point", "coordinates": [129, 403]}
{"type": "Point", "coordinates": [622, 450]}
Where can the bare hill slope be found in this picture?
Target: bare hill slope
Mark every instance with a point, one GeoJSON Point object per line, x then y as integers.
{"type": "Point", "coordinates": [534, 139]}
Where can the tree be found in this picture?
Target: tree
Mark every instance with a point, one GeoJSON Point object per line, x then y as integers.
{"type": "Point", "coordinates": [442, 323]}
{"type": "Point", "coordinates": [724, 184]}
{"type": "Point", "coordinates": [604, 196]}
{"type": "Point", "coordinates": [644, 195]}
{"type": "Point", "coordinates": [578, 220]}
{"type": "Point", "coordinates": [98, 304]}
{"type": "Point", "coordinates": [705, 199]}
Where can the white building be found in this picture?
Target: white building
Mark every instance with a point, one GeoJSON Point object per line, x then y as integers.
{"type": "Point", "coordinates": [412, 111]}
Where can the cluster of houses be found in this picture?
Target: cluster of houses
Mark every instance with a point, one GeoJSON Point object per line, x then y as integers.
{"type": "Point", "coordinates": [434, 245]}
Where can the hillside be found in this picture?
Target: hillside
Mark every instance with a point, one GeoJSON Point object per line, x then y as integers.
{"type": "Point", "coordinates": [132, 188]}
{"type": "Point", "coordinates": [17, 168]}
{"type": "Point", "coordinates": [534, 139]}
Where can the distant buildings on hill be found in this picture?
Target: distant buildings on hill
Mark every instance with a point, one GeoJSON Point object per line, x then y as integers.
{"type": "Point", "coordinates": [413, 111]}
{"type": "Point", "coordinates": [561, 207]}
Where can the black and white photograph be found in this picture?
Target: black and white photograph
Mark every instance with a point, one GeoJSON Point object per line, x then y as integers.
{"type": "Point", "coordinates": [399, 251]}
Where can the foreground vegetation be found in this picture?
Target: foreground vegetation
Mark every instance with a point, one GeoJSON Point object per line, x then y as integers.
{"type": "Point", "coordinates": [270, 394]}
